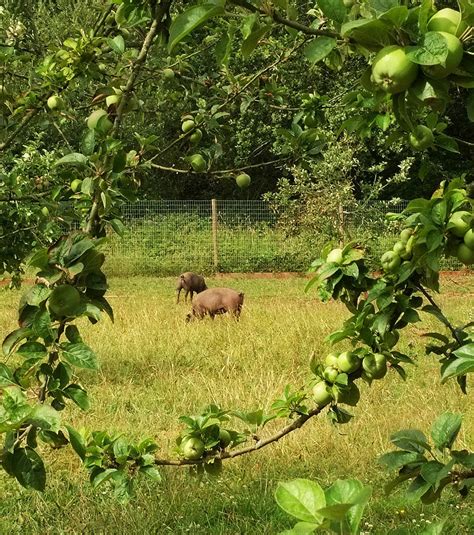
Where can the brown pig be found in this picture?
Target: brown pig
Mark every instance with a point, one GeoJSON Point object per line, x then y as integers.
{"type": "Point", "coordinates": [217, 301]}
{"type": "Point", "coordinates": [190, 282]}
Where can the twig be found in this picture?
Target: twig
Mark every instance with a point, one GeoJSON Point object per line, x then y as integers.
{"type": "Point", "coordinates": [296, 424]}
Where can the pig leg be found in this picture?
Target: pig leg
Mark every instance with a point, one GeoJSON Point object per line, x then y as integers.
{"type": "Point", "coordinates": [178, 290]}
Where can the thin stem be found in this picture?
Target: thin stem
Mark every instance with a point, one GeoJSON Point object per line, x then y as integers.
{"type": "Point", "coordinates": [296, 424]}
{"type": "Point", "coordinates": [281, 20]}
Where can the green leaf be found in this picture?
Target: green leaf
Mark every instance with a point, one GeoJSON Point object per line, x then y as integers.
{"type": "Point", "coordinates": [326, 271]}
{"type": "Point", "coordinates": [88, 142]}
{"type": "Point", "coordinates": [372, 33]}
{"type": "Point", "coordinates": [302, 499]}
{"type": "Point", "coordinates": [319, 48]}
{"type": "Point", "coordinates": [121, 450]}
{"type": "Point", "coordinates": [410, 440]}
{"type": "Point", "coordinates": [189, 20]}
{"type": "Point", "coordinates": [353, 492]}
{"type": "Point", "coordinates": [447, 143]}
{"type": "Point", "coordinates": [117, 44]}
{"type": "Point", "coordinates": [75, 158]}
{"type": "Point", "coordinates": [445, 429]}
{"type": "Point", "coordinates": [32, 350]}
{"type": "Point", "coordinates": [80, 355]}
{"type": "Point", "coordinates": [13, 339]}
{"type": "Point", "coordinates": [394, 460]}
{"type": "Point", "coordinates": [6, 377]}
{"type": "Point", "coordinates": [101, 477]}
{"type": "Point", "coordinates": [77, 442]}
{"type": "Point", "coordinates": [417, 488]}
{"type": "Point", "coordinates": [433, 50]}
{"type": "Point", "coordinates": [433, 529]}
{"type": "Point", "coordinates": [151, 472]}
{"type": "Point", "coordinates": [251, 42]}
{"type": "Point", "coordinates": [78, 395]}
{"type": "Point", "coordinates": [45, 417]}
{"type": "Point", "coordinates": [335, 512]}
{"type": "Point", "coordinates": [28, 468]}
{"type": "Point", "coordinates": [333, 9]}
{"type": "Point", "coordinates": [301, 528]}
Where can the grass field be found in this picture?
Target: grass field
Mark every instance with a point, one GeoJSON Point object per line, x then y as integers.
{"type": "Point", "coordinates": [155, 368]}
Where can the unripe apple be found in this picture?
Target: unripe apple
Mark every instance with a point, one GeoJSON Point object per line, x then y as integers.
{"type": "Point", "coordinates": [168, 74]}
{"type": "Point", "coordinates": [330, 374]}
{"type": "Point", "coordinates": [192, 448]}
{"type": "Point", "coordinates": [224, 438]}
{"type": "Point", "coordinates": [99, 120]}
{"type": "Point", "coordinates": [321, 394]}
{"type": "Point", "coordinates": [390, 261]}
{"type": "Point", "coordinates": [465, 254]}
{"type": "Point", "coordinates": [198, 163]}
{"type": "Point", "coordinates": [195, 137]}
{"type": "Point", "coordinates": [55, 103]}
{"type": "Point", "coordinates": [469, 239]}
{"type": "Point", "coordinates": [243, 180]}
{"type": "Point", "coordinates": [76, 184]}
{"type": "Point", "coordinates": [405, 234]}
{"type": "Point", "coordinates": [447, 20]}
{"type": "Point", "coordinates": [188, 125]}
{"type": "Point", "coordinates": [348, 362]}
{"type": "Point", "coordinates": [331, 359]}
{"type": "Point", "coordinates": [375, 366]}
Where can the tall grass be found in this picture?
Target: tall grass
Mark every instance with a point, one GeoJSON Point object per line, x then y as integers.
{"type": "Point", "coordinates": [155, 368]}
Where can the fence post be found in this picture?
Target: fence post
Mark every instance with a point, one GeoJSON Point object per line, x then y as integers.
{"type": "Point", "coordinates": [341, 225]}
{"type": "Point", "coordinates": [214, 232]}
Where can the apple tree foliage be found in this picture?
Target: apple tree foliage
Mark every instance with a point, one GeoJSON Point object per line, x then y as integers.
{"type": "Point", "coordinates": [99, 169]}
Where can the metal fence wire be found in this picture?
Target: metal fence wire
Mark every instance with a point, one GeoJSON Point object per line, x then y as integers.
{"type": "Point", "coordinates": [166, 237]}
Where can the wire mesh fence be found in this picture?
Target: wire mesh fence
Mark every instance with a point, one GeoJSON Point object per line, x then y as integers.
{"type": "Point", "coordinates": [166, 237]}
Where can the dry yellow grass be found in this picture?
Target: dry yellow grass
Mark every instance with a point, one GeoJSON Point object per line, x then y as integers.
{"type": "Point", "coordinates": [155, 368]}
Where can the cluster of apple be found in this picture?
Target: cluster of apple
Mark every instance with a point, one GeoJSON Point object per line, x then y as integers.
{"type": "Point", "coordinates": [367, 365]}
{"type": "Point", "coordinates": [393, 70]}
{"type": "Point", "coordinates": [402, 250]}
{"type": "Point", "coordinates": [461, 238]}
{"type": "Point", "coordinates": [193, 447]}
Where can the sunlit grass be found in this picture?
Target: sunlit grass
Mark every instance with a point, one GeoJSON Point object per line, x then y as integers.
{"type": "Point", "coordinates": [155, 368]}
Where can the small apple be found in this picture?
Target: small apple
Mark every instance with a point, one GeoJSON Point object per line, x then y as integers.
{"type": "Point", "coordinates": [348, 362]}
{"type": "Point", "coordinates": [168, 74]}
{"type": "Point", "coordinates": [405, 235]}
{"type": "Point", "coordinates": [331, 359]}
{"type": "Point", "coordinates": [421, 138]}
{"type": "Point", "coordinates": [465, 254]}
{"type": "Point", "coordinates": [99, 120]}
{"type": "Point", "coordinates": [243, 180]}
{"type": "Point", "coordinates": [195, 137]}
{"type": "Point", "coordinates": [55, 103]}
{"type": "Point", "coordinates": [321, 394]}
{"type": "Point", "coordinates": [187, 125]}
{"type": "Point", "coordinates": [335, 256]}
{"type": "Point", "coordinates": [399, 248]}
{"type": "Point", "coordinates": [459, 223]}
{"type": "Point", "coordinates": [390, 261]}
{"type": "Point", "coordinates": [192, 448]}
{"type": "Point", "coordinates": [447, 20]}
{"type": "Point", "coordinates": [198, 163]}
{"type": "Point", "coordinates": [375, 366]}
{"type": "Point", "coordinates": [330, 374]}
{"type": "Point", "coordinates": [469, 239]}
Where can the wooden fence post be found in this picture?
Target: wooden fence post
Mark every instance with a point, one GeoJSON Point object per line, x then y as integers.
{"type": "Point", "coordinates": [214, 232]}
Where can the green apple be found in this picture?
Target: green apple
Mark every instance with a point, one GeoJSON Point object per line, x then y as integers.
{"type": "Point", "coordinates": [55, 103]}
{"type": "Point", "coordinates": [465, 254]}
{"type": "Point", "coordinates": [348, 362]}
{"type": "Point", "coordinates": [349, 396]}
{"type": "Point", "coordinates": [469, 239]}
{"type": "Point", "coordinates": [390, 261]}
{"type": "Point", "coordinates": [405, 235]}
{"type": "Point", "coordinates": [187, 125]}
{"type": "Point", "coordinates": [330, 374]}
{"type": "Point", "coordinates": [399, 248]}
{"type": "Point", "coordinates": [168, 74]}
{"type": "Point", "coordinates": [421, 137]}
{"type": "Point", "coordinates": [375, 366]}
{"type": "Point", "coordinates": [459, 223]}
{"type": "Point", "coordinates": [321, 394]}
{"type": "Point", "coordinates": [243, 180]}
{"type": "Point", "coordinates": [392, 71]}
{"type": "Point", "coordinates": [335, 256]}
{"type": "Point", "coordinates": [99, 120]}
{"type": "Point", "coordinates": [195, 137]}
{"type": "Point", "coordinates": [331, 359]}
{"type": "Point", "coordinates": [447, 20]}
{"type": "Point", "coordinates": [192, 448]}
{"type": "Point", "coordinates": [198, 163]}
{"type": "Point", "coordinates": [408, 248]}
